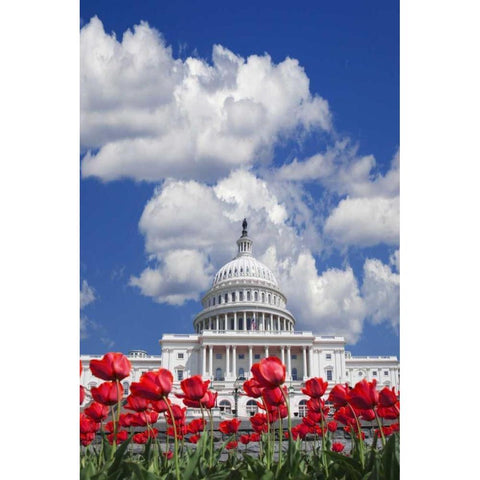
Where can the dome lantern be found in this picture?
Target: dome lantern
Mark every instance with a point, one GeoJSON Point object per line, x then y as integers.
{"type": "Point", "coordinates": [244, 243]}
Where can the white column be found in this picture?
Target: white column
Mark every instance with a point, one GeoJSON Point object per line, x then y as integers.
{"type": "Point", "coordinates": [282, 348]}
{"type": "Point", "coordinates": [216, 323]}
{"type": "Point", "coordinates": [235, 325]}
{"type": "Point", "coordinates": [250, 359]}
{"type": "Point", "coordinates": [289, 363]}
{"type": "Point", "coordinates": [263, 321]}
{"type": "Point", "coordinates": [234, 362]}
{"type": "Point", "coordinates": [227, 356]}
{"type": "Point", "coordinates": [304, 363]}
{"type": "Point", "coordinates": [225, 327]}
{"type": "Point", "coordinates": [310, 363]}
{"type": "Point", "coordinates": [266, 351]}
{"type": "Point", "coordinates": [244, 320]}
{"type": "Point", "coordinates": [210, 358]}
{"type": "Point", "coordinates": [204, 361]}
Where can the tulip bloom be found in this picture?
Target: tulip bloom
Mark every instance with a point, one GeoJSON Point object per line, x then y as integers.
{"type": "Point", "coordinates": [159, 406]}
{"type": "Point", "coordinates": [339, 395]}
{"type": "Point", "coordinates": [113, 366]}
{"type": "Point", "coordinates": [87, 424]}
{"type": "Point", "coordinates": [197, 425]}
{"type": "Point", "coordinates": [387, 397]}
{"type": "Point", "coordinates": [317, 405]}
{"type": "Point", "coordinates": [194, 388]}
{"type": "Point", "coordinates": [140, 438]}
{"type": "Point", "coordinates": [121, 437]}
{"type": "Point", "coordinates": [364, 395]}
{"type": "Point", "coordinates": [252, 388]}
{"type": "Point", "coordinates": [337, 447]}
{"type": "Point", "coordinates": [315, 387]}
{"type": "Point", "coordinates": [274, 396]}
{"type": "Point", "coordinates": [389, 413]}
{"type": "Point", "coordinates": [245, 439]}
{"type": "Point", "coordinates": [86, 438]}
{"type": "Point", "coordinates": [194, 438]}
{"type": "Point", "coordinates": [153, 385]}
{"type": "Point", "coordinates": [270, 372]}
{"type": "Point", "coordinates": [138, 404]}
{"type": "Point", "coordinates": [332, 426]}
{"type": "Point", "coordinates": [97, 411]}
{"type": "Point", "coordinates": [254, 437]}
{"type": "Point", "coordinates": [207, 401]}
{"type": "Point", "coordinates": [108, 393]}
{"type": "Point", "coordinates": [231, 445]}
{"type": "Point", "coordinates": [259, 422]}
{"type": "Point", "coordinates": [367, 415]}
{"type": "Point", "coordinates": [168, 455]}
{"type": "Point", "coordinates": [229, 427]}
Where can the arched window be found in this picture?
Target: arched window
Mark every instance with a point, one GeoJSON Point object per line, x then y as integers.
{"type": "Point", "coordinates": [125, 389]}
{"type": "Point", "coordinates": [218, 374]}
{"type": "Point", "coordinates": [255, 296]}
{"type": "Point", "coordinates": [226, 297]}
{"type": "Point", "coordinates": [225, 406]}
{"type": "Point", "coordinates": [233, 296]}
{"type": "Point", "coordinates": [248, 295]}
{"type": "Point", "coordinates": [263, 297]}
{"type": "Point", "coordinates": [241, 296]}
{"type": "Point", "coordinates": [302, 408]}
{"type": "Point", "coordinates": [219, 299]}
{"type": "Point", "coordinates": [294, 373]}
{"type": "Point", "coordinates": [252, 407]}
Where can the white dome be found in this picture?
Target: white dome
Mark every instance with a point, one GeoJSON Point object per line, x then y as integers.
{"type": "Point", "coordinates": [245, 267]}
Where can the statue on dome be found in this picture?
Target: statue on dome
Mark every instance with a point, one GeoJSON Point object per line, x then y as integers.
{"type": "Point", "coordinates": [244, 225]}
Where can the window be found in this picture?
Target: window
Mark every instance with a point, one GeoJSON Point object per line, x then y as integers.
{"type": "Point", "coordinates": [241, 373]}
{"type": "Point", "coordinates": [248, 295]}
{"type": "Point", "coordinates": [240, 295]}
{"type": "Point", "coordinates": [328, 356]}
{"type": "Point", "coordinates": [251, 407]}
{"type": "Point", "coordinates": [385, 372]}
{"type": "Point", "coordinates": [374, 373]}
{"type": "Point", "coordinates": [257, 356]}
{"type": "Point", "coordinates": [213, 300]}
{"type": "Point", "coordinates": [218, 374]}
{"type": "Point", "coordinates": [225, 406]}
{"type": "Point", "coordinates": [329, 375]}
{"type": "Point", "coordinates": [233, 296]}
{"type": "Point", "coordinates": [218, 356]}
{"type": "Point", "coordinates": [263, 297]}
{"type": "Point", "coordinates": [302, 408]}
{"type": "Point", "coordinates": [360, 374]}
{"type": "Point", "coordinates": [125, 388]}
{"type": "Point", "coordinates": [180, 355]}
{"type": "Point", "coordinates": [179, 375]}
{"type": "Point", "coordinates": [294, 374]}
{"type": "Point", "coordinates": [241, 356]}
{"type": "Point", "coordinates": [226, 297]}
{"type": "Point", "coordinates": [219, 299]}
{"type": "Point", "coordinates": [294, 356]}
{"type": "Point", "coordinates": [255, 295]}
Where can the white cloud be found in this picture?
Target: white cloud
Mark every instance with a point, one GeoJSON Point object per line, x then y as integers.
{"type": "Point", "coordinates": [148, 116]}
{"type": "Point", "coordinates": [181, 276]}
{"type": "Point", "coordinates": [329, 303]}
{"type": "Point", "coordinates": [365, 221]}
{"type": "Point", "coordinates": [394, 260]}
{"type": "Point", "coordinates": [87, 295]}
{"type": "Point", "coordinates": [381, 291]}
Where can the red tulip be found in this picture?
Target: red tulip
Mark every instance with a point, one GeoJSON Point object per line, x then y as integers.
{"type": "Point", "coordinates": [122, 435]}
{"type": "Point", "coordinates": [127, 420]}
{"type": "Point", "coordinates": [138, 404]}
{"type": "Point", "coordinates": [245, 439]}
{"type": "Point", "coordinates": [159, 406]}
{"type": "Point", "coordinates": [344, 415]}
{"type": "Point", "coordinates": [82, 394]}
{"type": "Point", "coordinates": [229, 427]}
{"type": "Point", "coordinates": [87, 424]}
{"type": "Point", "coordinates": [270, 372]}
{"type": "Point", "coordinates": [194, 388]}
{"type": "Point", "coordinates": [231, 445]}
{"type": "Point", "coordinates": [252, 388]}
{"type": "Point", "coordinates": [259, 422]}
{"type": "Point", "coordinates": [142, 419]}
{"type": "Point", "coordinates": [339, 395]}
{"type": "Point", "coordinates": [389, 413]}
{"type": "Point", "coordinates": [153, 385]}
{"type": "Point", "coordinates": [315, 387]}
{"type": "Point", "coordinates": [395, 427]}
{"type": "Point", "coordinates": [208, 401]}
{"type": "Point", "coordinates": [332, 426]}
{"type": "Point", "coordinates": [86, 438]}
{"type": "Point", "coordinates": [108, 393]}
{"type": "Point", "coordinates": [140, 438]}
{"type": "Point", "coordinates": [194, 438]}
{"type": "Point", "coordinates": [337, 447]}
{"type": "Point", "coordinates": [364, 395]}
{"type": "Point", "coordinates": [97, 411]}
{"type": "Point", "coordinates": [367, 415]}
{"type": "Point", "coordinates": [179, 414]}
{"type": "Point", "coordinates": [168, 455]}
{"type": "Point", "coordinates": [254, 437]}
{"type": "Point", "coordinates": [301, 430]}
{"type": "Point", "coordinates": [387, 430]}
{"type": "Point", "coordinates": [274, 396]}
{"type": "Point", "coordinates": [318, 405]}
{"type": "Point", "coordinates": [387, 397]}
{"type": "Point", "coordinates": [109, 427]}
{"type": "Point", "coordinates": [196, 425]}
{"type": "Point", "coordinates": [113, 366]}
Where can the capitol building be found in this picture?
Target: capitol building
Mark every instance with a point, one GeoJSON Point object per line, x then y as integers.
{"type": "Point", "coordinates": [244, 318]}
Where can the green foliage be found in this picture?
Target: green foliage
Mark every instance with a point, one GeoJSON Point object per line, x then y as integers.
{"type": "Point", "coordinates": [105, 462]}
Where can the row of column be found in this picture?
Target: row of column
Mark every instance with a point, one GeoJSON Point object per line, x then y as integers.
{"type": "Point", "coordinates": [208, 350]}
{"type": "Point", "coordinates": [258, 321]}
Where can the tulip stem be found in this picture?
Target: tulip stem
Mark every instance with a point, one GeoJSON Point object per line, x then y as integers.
{"type": "Point", "coordinates": [360, 439]}
{"type": "Point", "coordinates": [380, 428]}
{"type": "Point", "coordinates": [211, 437]}
{"type": "Point", "coordinates": [177, 470]}
{"type": "Point", "coordinates": [324, 458]}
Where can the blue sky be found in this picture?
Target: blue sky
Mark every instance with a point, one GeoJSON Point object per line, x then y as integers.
{"type": "Point", "coordinates": [291, 120]}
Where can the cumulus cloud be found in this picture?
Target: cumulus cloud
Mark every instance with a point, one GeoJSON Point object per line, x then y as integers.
{"type": "Point", "coordinates": [326, 303]}
{"type": "Point", "coordinates": [381, 292]}
{"type": "Point", "coordinates": [87, 295]}
{"type": "Point", "coordinates": [148, 116]}
{"type": "Point", "coordinates": [365, 221]}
